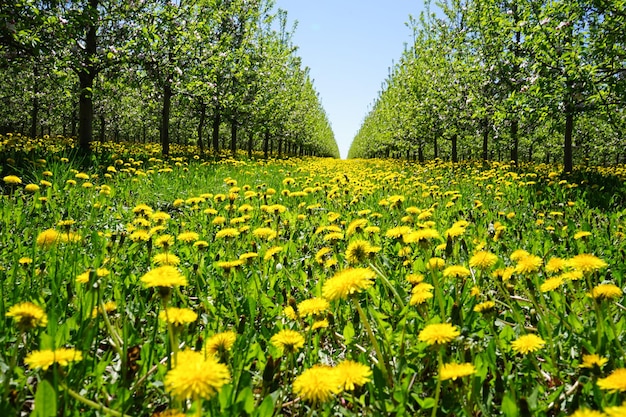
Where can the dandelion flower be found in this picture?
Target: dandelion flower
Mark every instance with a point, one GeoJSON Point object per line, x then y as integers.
{"type": "Point", "coordinates": [163, 276]}
{"type": "Point", "coordinates": [188, 237]}
{"type": "Point", "coordinates": [614, 382]}
{"type": "Point", "coordinates": [518, 254]}
{"type": "Point", "coordinates": [265, 233]}
{"type": "Point", "coordinates": [269, 254]}
{"type": "Point", "coordinates": [164, 241]}
{"type": "Point", "coordinates": [617, 411]}
{"type": "Point", "coordinates": [581, 235]}
{"type": "Point", "coordinates": [313, 307]}
{"type": "Point", "coordinates": [355, 225]}
{"type": "Point", "coordinates": [527, 343]}
{"type": "Point", "coordinates": [352, 374]}
{"type": "Point", "coordinates": [178, 316]}
{"type": "Point", "coordinates": [28, 315]}
{"type": "Point", "coordinates": [288, 340]}
{"type": "Point", "coordinates": [43, 359]}
{"type": "Point", "coordinates": [593, 360]}
{"type": "Point", "coordinates": [48, 238]}
{"type": "Point", "coordinates": [31, 188]}
{"type": "Point", "coordinates": [166, 259]}
{"type": "Point", "coordinates": [606, 291]}
{"type": "Point", "coordinates": [228, 232]}
{"type": "Point", "coordinates": [220, 343]}
{"type": "Point", "coordinates": [348, 282]}
{"type": "Point", "coordinates": [317, 384]}
{"type": "Point", "coordinates": [290, 313]}
{"type": "Point", "coordinates": [415, 278]}
{"type": "Point", "coordinates": [552, 284]}
{"type": "Point", "coordinates": [421, 293]}
{"type": "Point", "coordinates": [456, 271]}
{"type": "Point", "coordinates": [456, 370]}
{"type": "Point", "coordinates": [483, 260]}
{"type": "Point", "coordinates": [438, 333]}
{"type": "Point", "coordinates": [556, 265]}
{"type": "Point", "coordinates": [435, 264]}
{"type": "Point", "coordinates": [586, 412]}
{"type": "Point", "coordinates": [359, 250]}
{"type": "Point", "coordinates": [528, 264]}
{"type": "Point", "coordinates": [12, 180]}
{"type": "Point", "coordinates": [484, 307]}
{"type": "Point", "coordinates": [587, 263]}
{"type": "Point", "coordinates": [195, 377]}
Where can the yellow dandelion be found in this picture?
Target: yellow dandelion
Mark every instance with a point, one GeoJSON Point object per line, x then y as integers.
{"type": "Point", "coordinates": [163, 276]}
{"type": "Point", "coordinates": [581, 235]}
{"type": "Point", "coordinates": [323, 254]}
{"type": "Point", "coordinates": [593, 360]}
{"type": "Point", "coordinates": [556, 265]}
{"type": "Point", "coordinates": [616, 381]}
{"type": "Point", "coordinates": [12, 180]}
{"type": "Point", "coordinates": [528, 264]}
{"type": "Point", "coordinates": [178, 316]}
{"type": "Point", "coordinates": [313, 307]}
{"type": "Point", "coordinates": [438, 333]}
{"type": "Point", "coordinates": [606, 291]}
{"type": "Point", "coordinates": [43, 359]}
{"type": "Point", "coordinates": [317, 384]}
{"type": "Point", "coordinates": [271, 252]}
{"type": "Point", "coordinates": [586, 412]}
{"type": "Point", "coordinates": [195, 377]}
{"type": "Point", "coordinates": [265, 233]}
{"type": "Point", "coordinates": [352, 374]}
{"type": "Point", "coordinates": [359, 251]}
{"type": "Point", "coordinates": [617, 411]}
{"type": "Point", "coordinates": [484, 307]}
{"type": "Point", "coordinates": [483, 260]}
{"type": "Point", "coordinates": [164, 241]}
{"type": "Point", "coordinates": [166, 259]}
{"type": "Point", "coordinates": [228, 232]}
{"type": "Point", "coordinates": [288, 340]}
{"type": "Point", "coordinates": [456, 271]}
{"type": "Point", "coordinates": [435, 264]}
{"type": "Point", "coordinates": [551, 284]}
{"type": "Point", "coordinates": [188, 237]}
{"type": "Point", "coordinates": [28, 315]}
{"type": "Point", "coordinates": [518, 254]}
{"type": "Point", "coordinates": [290, 313]}
{"type": "Point", "coordinates": [347, 282]}
{"type": "Point", "coordinates": [527, 343]}
{"type": "Point", "coordinates": [587, 263]}
{"type": "Point", "coordinates": [48, 237]}
{"type": "Point", "coordinates": [456, 370]}
{"type": "Point", "coordinates": [220, 343]}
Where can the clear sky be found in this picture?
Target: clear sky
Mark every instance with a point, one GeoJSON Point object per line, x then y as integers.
{"type": "Point", "coordinates": [349, 46]}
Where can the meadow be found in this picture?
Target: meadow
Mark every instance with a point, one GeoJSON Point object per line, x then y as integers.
{"type": "Point", "coordinates": [133, 285]}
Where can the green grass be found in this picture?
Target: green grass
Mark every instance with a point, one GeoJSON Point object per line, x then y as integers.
{"type": "Point", "coordinates": [126, 354]}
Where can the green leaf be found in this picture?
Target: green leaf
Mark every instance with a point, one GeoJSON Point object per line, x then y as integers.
{"type": "Point", "coordinates": [45, 400]}
{"type": "Point", "coordinates": [509, 407]}
{"type": "Point", "coordinates": [266, 409]}
{"type": "Point", "coordinates": [348, 332]}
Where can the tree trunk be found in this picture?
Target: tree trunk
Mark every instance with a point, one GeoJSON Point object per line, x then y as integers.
{"type": "Point", "coordinates": [280, 147]}
{"type": "Point", "coordinates": [455, 156]}
{"type": "Point", "coordinates": [250, 142]}
{"type": "Point", "coordinates": [217, 120]}
{"type": "Point", "coordinates": [485, 139]}
{"type": "Point", "coordinates": [165, 118]}
{"type": "Point", "coordinates": [201, 126]}
{"type": "Point", "coordinates": [436, 147]}
{"type": "Point", "coordinates": [266, 144]}
{"type": "Point", "coordinates": [233, 136]}
{"type": "Point", "coordinates": [86, 75]}
{"type": "Point", "coordinates": [568, 163]}
{"type": "Point", "coordinates": [35, 110]}
{"type": "Point", "coordinates": [420, 153]}
{"type": "Point", "coordinates": [102, 128]}
{"type": "Point", "coordinates": [514, 141]}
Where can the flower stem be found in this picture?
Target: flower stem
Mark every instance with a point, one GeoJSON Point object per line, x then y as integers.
{"type": "Point", "coordinates": [382, 364]}
{"type": "Point", "coordinates": [438, 389]}
{"type": "Point", "coordinates": [93, 404]}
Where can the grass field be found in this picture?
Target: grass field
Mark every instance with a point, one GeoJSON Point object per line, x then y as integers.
{"type": "Point", "coordinates": [132, 285]}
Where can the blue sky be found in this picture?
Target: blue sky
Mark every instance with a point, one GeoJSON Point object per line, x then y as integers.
{"type": "Point", "coordinates": [349, 46]}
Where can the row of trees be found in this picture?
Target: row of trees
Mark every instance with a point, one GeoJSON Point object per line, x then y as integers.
{"type": "Point", "coordinates": [507, 80]}
{"type": "Point", "coordinates": [216, 73]}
